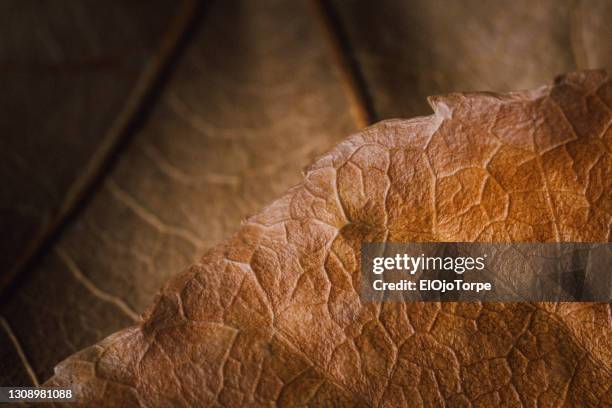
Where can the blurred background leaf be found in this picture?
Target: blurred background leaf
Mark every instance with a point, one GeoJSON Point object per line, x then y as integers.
{"type": "Point", "coordinates": [138, 134]}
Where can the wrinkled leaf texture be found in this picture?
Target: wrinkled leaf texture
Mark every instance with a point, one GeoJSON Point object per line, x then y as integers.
{"type": "Point", "coordinates": [272, 315]}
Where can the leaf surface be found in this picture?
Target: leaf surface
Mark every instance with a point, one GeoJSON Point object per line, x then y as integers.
{"type": "Point", "coordinates": [272, 315]}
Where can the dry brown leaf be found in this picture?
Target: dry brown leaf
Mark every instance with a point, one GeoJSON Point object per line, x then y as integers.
{"type": "Point", "coordinates": [257, 86]}
{"type": "Point", "coordinates": [273, 314]}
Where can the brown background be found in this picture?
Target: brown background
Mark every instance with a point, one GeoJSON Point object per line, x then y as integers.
{"type": "Point", "coordinates": [136, 134]}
